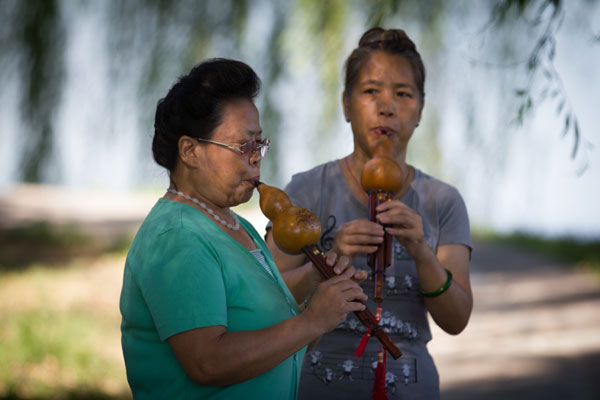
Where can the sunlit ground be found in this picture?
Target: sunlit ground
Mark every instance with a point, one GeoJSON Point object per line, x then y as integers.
{"type": "Point", "coordinates": [534, 332]}
{"type": "Point", "coordinates": [60, 331]}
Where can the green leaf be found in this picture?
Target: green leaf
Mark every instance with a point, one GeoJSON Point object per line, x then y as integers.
{"type": "Point", "coordinates": [560, 106]}
{"type": "Point", "coordinates": [576, 144]}
{"type": "Point", "coordinates": [567, 124]}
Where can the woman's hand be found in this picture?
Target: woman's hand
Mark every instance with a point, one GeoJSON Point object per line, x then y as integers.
{"type": "Point", "coordinates": [357, 237]}
{"type": "Point", "coordinates": [451, 311]}
{"type": "Point", "coordinates": [406, 225]}
{"type": "Point", "coordinates": [335, 298]}
{"type": "Point", "coordinates": [343, 267]}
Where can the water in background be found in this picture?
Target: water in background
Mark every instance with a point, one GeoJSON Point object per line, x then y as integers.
{"type": "Point", "coordinates": [511, 177]}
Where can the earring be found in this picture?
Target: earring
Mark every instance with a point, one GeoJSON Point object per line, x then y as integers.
{"type": "Point", "coordinates": [417, 125]}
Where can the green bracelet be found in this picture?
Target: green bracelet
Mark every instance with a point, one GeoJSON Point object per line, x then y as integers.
{"type": "Point", "coordinates": [439, 291]}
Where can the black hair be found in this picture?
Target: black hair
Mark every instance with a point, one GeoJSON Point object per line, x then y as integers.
{"type": "Point", "coordinates": [194, 105]}
{"type": "Point", "coordinates": [392, 41]}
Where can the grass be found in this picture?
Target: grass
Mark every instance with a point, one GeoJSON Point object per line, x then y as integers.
{"type": "Point", "coordinates": [59, 330]}
{"type": "Point", "coordinates": [50, 354]}
{"type": "Point", "coordinates": [583, 253]}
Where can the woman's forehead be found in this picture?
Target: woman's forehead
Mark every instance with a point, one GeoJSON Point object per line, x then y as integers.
{"type": "Point", "coordinates": [387, 68]}
{"type": "Point", "coordinates": [241, 120]}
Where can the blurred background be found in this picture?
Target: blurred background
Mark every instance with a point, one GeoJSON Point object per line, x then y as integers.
{"type": "Point", "coordinates": [511, 119]}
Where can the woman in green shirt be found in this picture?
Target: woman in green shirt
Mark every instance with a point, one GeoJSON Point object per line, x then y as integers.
{"type": "Point", "coordinates": [205, 311]}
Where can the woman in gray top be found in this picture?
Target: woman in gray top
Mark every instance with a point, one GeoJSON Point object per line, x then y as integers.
{"type": "Point", "coordinates": [384, 95]}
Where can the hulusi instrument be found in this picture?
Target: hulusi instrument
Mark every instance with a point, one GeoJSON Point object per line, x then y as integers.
{"type": "Point", "coordinates": [297, 230]}
{"type": "Point", "coordinates": [381, 177]}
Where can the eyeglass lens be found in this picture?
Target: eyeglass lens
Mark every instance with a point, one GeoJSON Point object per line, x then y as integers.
{"type": "Point", "coordinates": [250, 147]}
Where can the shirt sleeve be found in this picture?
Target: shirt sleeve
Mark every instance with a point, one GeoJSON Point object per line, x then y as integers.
{"type": "Point", "coordinates": [454, 220]}
{"type": "Point", "coordinates": [182, 283]}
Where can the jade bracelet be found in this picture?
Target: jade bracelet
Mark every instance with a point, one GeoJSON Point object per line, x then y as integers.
{"type": "Point", "coordinates": [439, 291]}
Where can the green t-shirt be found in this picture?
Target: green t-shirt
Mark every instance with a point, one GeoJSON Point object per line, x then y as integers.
{"type": "Point", "coordinates": [183, 272]}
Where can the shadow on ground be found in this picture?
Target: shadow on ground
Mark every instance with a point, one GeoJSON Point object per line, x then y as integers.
{"type": "Point", "coordinates": [49, 245]}
{"type": "Point", "coordinates": [564, 378]}
{"type": "Point", "coordinates": [534, 332]}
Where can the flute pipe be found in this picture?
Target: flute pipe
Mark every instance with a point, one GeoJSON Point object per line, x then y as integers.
{"type": "Point", "coordinates": [373, 203]}
{"type": "Point", "coordinates": [388, 239]}
{"type": "Point", "coordinates": [382, 257]}
{"type": "Point", "coordinates": [316, 255]}
{"type": "Point", "coordinates": [378, 273]}
{"type": "Point", "coordinates": [388, 249]}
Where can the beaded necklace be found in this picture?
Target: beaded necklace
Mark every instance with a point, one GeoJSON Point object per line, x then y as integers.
{"type": "Point", "coordinates": [233, 227]}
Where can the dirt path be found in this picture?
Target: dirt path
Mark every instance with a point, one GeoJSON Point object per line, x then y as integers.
{"type": "Point", "coordinates": [534, 332]}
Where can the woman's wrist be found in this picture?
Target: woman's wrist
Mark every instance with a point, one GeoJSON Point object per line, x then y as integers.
{"type": "Point", "coordinates": [440, 290]}
{"type": "Point", "coordinates": [309, 296]}
{"type": "Point", "coordinates": [308, 322]}
{"type": "Point", "coordinates": [422, 253]}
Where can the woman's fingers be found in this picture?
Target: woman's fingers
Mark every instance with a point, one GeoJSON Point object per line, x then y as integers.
{"type": "Point", "coordinates": [359, 239]}
{"type": "Point", "coordinates": [330, 258]}
{"type": "Point", "coordinates": [399, 219]}
{"type": "Point", "coordinates": [358, 236]}
{"type": "Point", "coordinates": [344, 289]}
{"type": "Point", "coordinates": [360, 276]}
{"type": "Point", "coordinates": [333, 300]}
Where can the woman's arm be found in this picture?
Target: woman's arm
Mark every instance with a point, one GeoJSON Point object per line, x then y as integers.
{"type": "Point", "coordinates": [450, 310]}
{"type": "Point", "coordinates": [213, 356]}
{"type": "Point", "coordinates": [300, 276]}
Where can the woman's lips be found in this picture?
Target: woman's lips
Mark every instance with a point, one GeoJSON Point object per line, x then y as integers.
{"type": "Point", "coordinates": [254, 181]}
{"type": "Point", "coordinates": [383, 130]}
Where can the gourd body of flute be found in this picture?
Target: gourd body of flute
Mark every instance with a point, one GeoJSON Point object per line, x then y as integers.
{"type": "Point", "coordinates": [381, 173]}
{"type": "Point", "coordinates": [272, 201]}
{"type": "Point", "coordinates": [293, 227]}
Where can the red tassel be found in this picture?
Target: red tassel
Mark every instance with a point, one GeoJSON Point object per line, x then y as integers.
{"type": "Point", "coordinates": [379, 389]}
{"type": "Point", "coordinates": [365, 339]}
{"type": "Point", "coordinates": [363, 344]}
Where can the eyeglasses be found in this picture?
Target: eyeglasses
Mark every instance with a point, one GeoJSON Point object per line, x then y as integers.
{"type": "Point", "coordinates": [247, 149]}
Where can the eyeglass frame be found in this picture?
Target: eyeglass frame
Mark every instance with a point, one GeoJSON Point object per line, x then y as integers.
{"type": "Point", "coordinates": [262, 144]}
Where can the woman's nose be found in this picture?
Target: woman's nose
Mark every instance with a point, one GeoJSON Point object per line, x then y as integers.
{"type": "Point", "coordinates": [386, 111]}
{"type": "Point", "coordinates": [385, 106]}
{"type": "Point", "coordinates": [255, 158]}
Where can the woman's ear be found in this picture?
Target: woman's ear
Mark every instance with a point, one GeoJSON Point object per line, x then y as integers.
{"type": "Point", "coordinates": [346, 107]}
{"type": "Point", "coordinates": [421, 110]}
{"type": "Point", "coordinates": [188, 151]}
